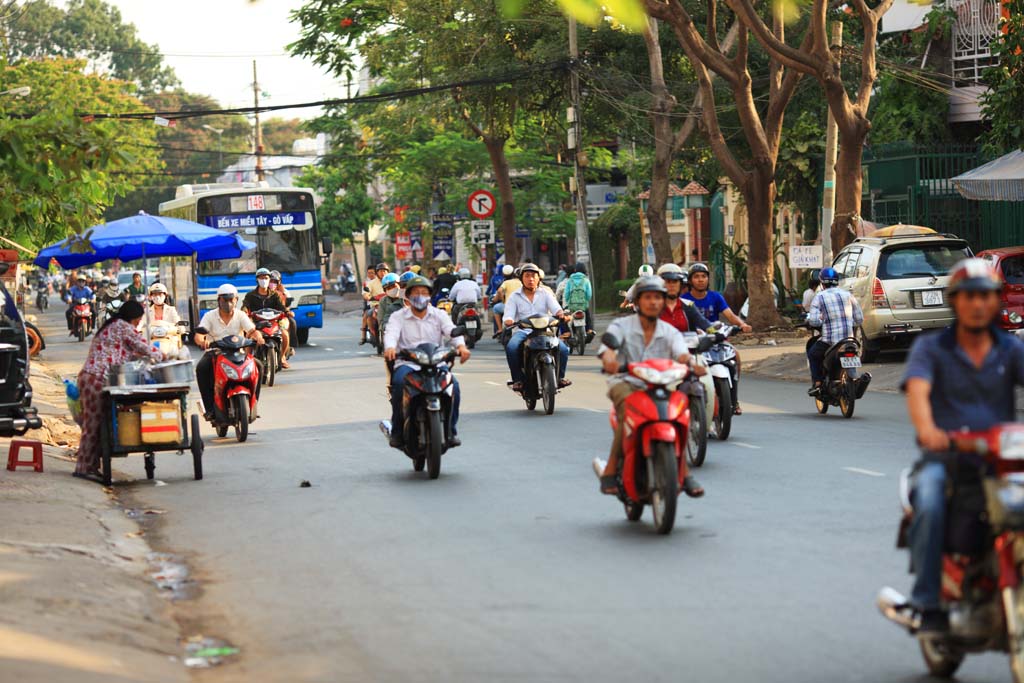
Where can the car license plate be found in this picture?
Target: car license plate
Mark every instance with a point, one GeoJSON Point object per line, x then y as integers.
{"type": "Point", "coordinates": [471, 324]}
{"type": "Point", "coordinates": [578, 322]}
{"type": "Point", "coordinates": [849, 361]}
{"type": "Point", "coordinates": [931, 297]}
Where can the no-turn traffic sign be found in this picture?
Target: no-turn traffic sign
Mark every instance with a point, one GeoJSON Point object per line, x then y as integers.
{"type": "Point", "coordinates": [481, 204]}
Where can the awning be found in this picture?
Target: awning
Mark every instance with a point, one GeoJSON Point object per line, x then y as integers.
{"type": "Point", "coordinates": [1001, 180]}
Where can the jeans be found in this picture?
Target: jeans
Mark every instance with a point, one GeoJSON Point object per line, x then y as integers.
{"type": "Point", "coordinates": [398, 390]}
{"type": "Point", "coordinates": [497, 309]}
{"type": "Point", "coordinates": [927, 534]}
{"type": "Point", "coordinates": [816, 358]}
{"type": "Point", "coordinates": [204, 378]}
{"type": "Point", "coordinates": [514, 355]}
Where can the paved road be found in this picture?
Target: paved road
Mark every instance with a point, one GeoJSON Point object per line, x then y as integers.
{"type": "Point", "coordinates": [512, 567]}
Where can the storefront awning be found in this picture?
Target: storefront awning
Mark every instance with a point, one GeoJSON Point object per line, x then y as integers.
{"type": "Point", "coordinates": [1001, 180]}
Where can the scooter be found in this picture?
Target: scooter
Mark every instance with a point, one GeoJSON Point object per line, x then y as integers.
{"type": "Point", "coordinates": [167, 338]}
{"type": "Point", "coordinates": [983, 569]}
{"type": "Point", "coordinates": [469, 318]}
{"type": "Point", "coordinates": [658, 420]}
{"type": "Point", "coordinates": [842, 386]}
{"type": "Point", "coordinates": [540, 361]}
{"type": "Point", "coordinates": [427, 405]}
{"type": "Point", "coordinates": [721, 362]}
{"type": "Point", "coordinates": [268, 322]}
{"type": "Point", "coordinates": [42, 298]}
{"type": "Point", "coordinates": [235, 378]}
{"type": "Point", "coordinates": [81, 319]}
{"type": "Point", "coordinates": [373, 335]}
{"type": "Point", "coordinates": [701, 391]}
{"type": "Point", "coordinates": [578, 337]}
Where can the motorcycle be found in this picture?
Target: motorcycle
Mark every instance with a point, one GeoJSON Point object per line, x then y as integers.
{"type": "Point", "coordinates": [540, 361]}
{"type": "Point", "coordinates": [578, 338]}
{"type": "Point", "coordinates": [427, 405]}
{"type": "Point", "coordinates": [982, 569]}
{"type": "Point", "coordinates": [701, 390]}
{"type": "Point", "coordinates": [842, 386]}
{"type": "Point", "coordinates": [268, 322]}
{"type": "Point", "coordinates": [658, 420]}
{"type": "Point", "coordinates": [167, 338]}
{"type": "Point", "coordinates": [721, 362]}
{"type": "Point", "coordinates": [235, 378]}
{"type": "Point", "coordinates": [42, 298]}
{"type": "Point", "coordinates": [469, 318]}
{"type": "Point", "coordinates": [81, 318]}
{"type": "Point", "coordinates": [373, 334]}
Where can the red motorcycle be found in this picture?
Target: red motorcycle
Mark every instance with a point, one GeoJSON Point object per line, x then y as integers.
{"type": "Point", "coordinates": [653, 461]}
{"type": "Point", "coordinates": [81, 318]}
{"type": "Point", "coordinates": [235, 380]}
{"type": "Point", "coordinates": [983, 567]}
{"type": "Point", "coordinates": [268, 322]}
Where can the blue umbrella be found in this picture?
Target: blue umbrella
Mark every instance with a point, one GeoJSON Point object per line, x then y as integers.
{"type": "Point", "coordinates": [144, 236]}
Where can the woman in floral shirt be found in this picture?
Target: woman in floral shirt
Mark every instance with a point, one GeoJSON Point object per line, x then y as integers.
{"type": "Point", "coordinates": [116, 342]}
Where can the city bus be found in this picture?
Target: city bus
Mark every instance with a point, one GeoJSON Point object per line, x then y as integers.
{"type": "Point", "coordinates": [282, 223]}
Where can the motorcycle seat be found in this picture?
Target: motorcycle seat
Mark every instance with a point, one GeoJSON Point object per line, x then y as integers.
{"type": "Point", "coordinates": [833, 350]}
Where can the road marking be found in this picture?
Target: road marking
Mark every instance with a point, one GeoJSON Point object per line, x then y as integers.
{"type": "Point", "coordinates": [745, 445]}
{"type": "Point", "coordinates": [328, 349]}
{"type": "Point", "coordinates": [595, 410]}
{"type": "Point", "coordinates": [493, 384]}
{"type": "Point", "coordinates": [869, 473]}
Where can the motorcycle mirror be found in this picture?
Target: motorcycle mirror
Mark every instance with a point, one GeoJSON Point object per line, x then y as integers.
{"type": "Point", "coordinates": [326, 246]}
{"type": "Point", "coordinates": [458, 330]}
{"type": "Point", "coordinates": [611, 341]}
{"type": "Point", "coordinates": [182, 323]}
{"type": "Point", "coordinates": [288, 301]}
{"type": "Point", "coordinates": [202, 330]}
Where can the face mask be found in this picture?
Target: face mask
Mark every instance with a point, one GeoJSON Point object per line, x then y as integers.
{"type": "Point", "coordinates": [159, 299]}
{"type": "Point", "coordinates": [393, 292]}
{"type": "Point", "coordinates": [263, 282]}
{"type": "Point", "coordinates": [420, 303]}
{"type": "Point", "coordinates": [225, 305]}
{"type": "Point", "coordinates": [273, 286]}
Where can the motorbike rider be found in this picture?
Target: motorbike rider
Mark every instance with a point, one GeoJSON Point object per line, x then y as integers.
{"type": "Point", "coordinates": [288, 324]}
{"type": "Point", "coordinates": [575, 292]}
{"type": "Point", "coordinates": [136, 290]}
{"type": "Point", "coordinates": [962, 377]}
{"type": "Point", "coordinates": [644, 336]}
{"type": "Point", "coordinates": [372, 291]}
{"type": "Point", "coordinates": [713, 306]}
{"type": "Point", "coordinates": [510, 284]}
{"type": "Point", "coordinates": [529, 300]}
{"type": "Point", "coordinates": [158, 309]}
{"type": "Point", "coordinates": [644, 271]}
{"type": "Point", "coordinates": [265, 297]}
{"type": "Point", "coordinates": [445, 279]}
{"type": "Point", "coordinates": [465, 292]}
{"type": "Point", "coordinates": [409, 327]}
{"type": "Point", "coordinates": [392, 300]}
{"type": "Point", "coordinates": [678, 312]}
{"type": "Point", "coordinates": [79, 291]}
{"type": "Point", "coordinates": [837, 313]}
{"type": "Point", "coordinates": [224, 321]}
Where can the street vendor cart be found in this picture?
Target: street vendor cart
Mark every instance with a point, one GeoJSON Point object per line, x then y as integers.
{"type": "Point", "coordinates": [148, 419]}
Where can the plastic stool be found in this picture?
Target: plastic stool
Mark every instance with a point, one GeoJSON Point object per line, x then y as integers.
{"type": "Point", "coordinates": [15, 451]}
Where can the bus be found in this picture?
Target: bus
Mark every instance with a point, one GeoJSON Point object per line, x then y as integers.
{"type": "Point", "coordinates": [282, 223]}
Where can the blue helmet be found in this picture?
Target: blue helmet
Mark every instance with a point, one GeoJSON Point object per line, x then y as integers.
{"type": "Point", "coordinates": [388, 280]}
{"type": "Point", "coordinates": [828, 277]}
{"type": "Point", "coordinates": [406, 276]}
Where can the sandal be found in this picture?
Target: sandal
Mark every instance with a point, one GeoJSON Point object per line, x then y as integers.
{"type": "Point", "coordinates": [610, 485]}
{"type": "Point", "coordinates": [736, 410]}
{"type": "Point", "coordinates": [563, 383]}
{"type": "Point", "coordinates": [517, 387]}
{"type": "Point", "coordinates": [692, 487]}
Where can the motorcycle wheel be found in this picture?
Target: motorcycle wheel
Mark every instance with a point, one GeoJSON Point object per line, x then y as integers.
{"type": "Point", "coordinates": [222, 430]}
{"type": "Point", "coordinates": [531, 403]}
{"type": "Point", "coordinates": [820, 403]}
{"type": "Point", "coordinates": [470, 341]}
{"type": "Point", "coordinates": [666, 487]}
{"type": "Point", "coordinates": [197, 448]}
{"type": "Point", "coordinates": [549, 385]}
{"type": "Point", "coordinates": [418, 463]}
{"type": "Point", "coordinates": [697, 436]}
{"type": "Point", "coordinates": [436, 444]}
{"type": "Point", "coordinates": [241, 417]}
{"type": "Point", "coordinates": [723, 416]}
{"type": "Point", "coordinates": [81, 332]}
{"type": "Point", "coordinates": [270, 365]}
{"type": "Point", "coordinates": [847, 397]}
{"type": "Point", "coordinates": [941, 661]}
{"type": "Point", "coordinates": [634, 511]}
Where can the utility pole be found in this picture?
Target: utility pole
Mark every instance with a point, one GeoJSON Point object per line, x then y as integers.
{"type": "Point", "coordinates": [579, 184]}
{"type": "Point", "coordinates": [259, 130]}
{"type": "Point", "coordinates": [828, 196]}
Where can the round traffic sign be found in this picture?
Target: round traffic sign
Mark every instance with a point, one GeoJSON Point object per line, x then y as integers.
{"type": "Point", "coordinates": [481, 204]}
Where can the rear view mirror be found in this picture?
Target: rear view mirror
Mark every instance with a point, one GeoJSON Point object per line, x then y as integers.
{"type": "Point", "coordinates": [611, 340]}
{"type": "Point", "coordinates": [288, 301]}
{"type": "Point", "coordinates": [326, 246]}
{"type": "Point", "coordinates": [201, 330]}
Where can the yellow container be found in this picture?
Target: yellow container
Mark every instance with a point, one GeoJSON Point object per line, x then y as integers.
{"type": "Point", "coordinates": [129, 423]}
{"type": "Point", "coordinates": [161, 422]}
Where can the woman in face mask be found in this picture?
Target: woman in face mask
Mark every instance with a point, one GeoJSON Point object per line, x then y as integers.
{"type": "Point", "coordinates": [159, 310]}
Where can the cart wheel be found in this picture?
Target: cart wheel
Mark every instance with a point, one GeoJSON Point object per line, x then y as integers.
{"type": "Point", "coordinates": [150, 465]}
{"type": "Point", "coordinates": [197, 449]}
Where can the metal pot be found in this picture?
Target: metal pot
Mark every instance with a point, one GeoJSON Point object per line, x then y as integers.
{"type": "Point", "coordinates": [128, 374]}
{"type": "Point", "coordinates": [173, 372]}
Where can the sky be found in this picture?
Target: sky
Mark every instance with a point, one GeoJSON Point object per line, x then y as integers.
{"type": "Point", "coordinates": [242, 30]}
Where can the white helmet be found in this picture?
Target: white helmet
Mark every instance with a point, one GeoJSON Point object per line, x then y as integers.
{"type": "Point", "coordinates": [669, 268]}
{"type": "Point", "coordinates": [227, 289]}
{"type": "Point", "coordinates": [645, 271]}
{"type": "Point", "coordinates": [465, 274]}
{"type": "Point", "coordinates": [157, 288]}
{"type": "Point", "coordinates": [507, 270]}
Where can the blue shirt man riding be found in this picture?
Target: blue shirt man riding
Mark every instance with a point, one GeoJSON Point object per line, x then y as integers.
{"type": "Point", "coordinates": [77, 291]}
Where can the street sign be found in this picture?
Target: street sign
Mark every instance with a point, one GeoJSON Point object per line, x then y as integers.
{"type": "Point", "coordinates": [806, 256]}
{"type": "Point", "coordinates": [481, 204]}
{"type": "Point", "coordinates": [403, 246]}
{"type": "Point", "coordinates": [482, 232]}
{"type": "Point", "coordinates": [444, 236]}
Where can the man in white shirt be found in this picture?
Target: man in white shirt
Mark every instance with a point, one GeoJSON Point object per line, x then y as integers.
{"type": "Point", "coordinates": [529, 300]}
{"type": "Point", "coordinates": [465, 292]}
{"type": "Point", "coordinates": [420, 323]}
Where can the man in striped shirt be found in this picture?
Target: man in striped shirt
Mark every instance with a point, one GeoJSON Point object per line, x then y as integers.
{"type": "Point", "coordinates": [837, 313]}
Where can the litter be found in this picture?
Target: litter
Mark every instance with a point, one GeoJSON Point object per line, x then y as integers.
{"type": "Point", "coordinates": [304, 484]}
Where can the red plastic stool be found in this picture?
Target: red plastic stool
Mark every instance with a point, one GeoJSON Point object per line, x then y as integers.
{"type": "Point", "coordinates": [15, 451]}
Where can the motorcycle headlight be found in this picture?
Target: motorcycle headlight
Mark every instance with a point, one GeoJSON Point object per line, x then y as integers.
{"type": "Point", "coordinates": [247, 371]}
{"type": "Point", "coordinates": [1011, 444]}
{"type": "Point", "coordinates": [438, 356]}
{"type": "Point", "coordinates": [421, 357]}
{"type": "Point", "coordinates": [1015, 318]}
{"type": "Point", "coordinates": [230, 372]}
{"type": "Point", "coordinates": [652, 376]}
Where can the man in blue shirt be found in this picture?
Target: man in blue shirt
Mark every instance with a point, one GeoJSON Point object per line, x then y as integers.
{"type": "Point", "coordinates": [78, 291]}
{"type": "Point", "coordinates": [962, 377]}
{"type": "Point", "coordinates": [709, 302]}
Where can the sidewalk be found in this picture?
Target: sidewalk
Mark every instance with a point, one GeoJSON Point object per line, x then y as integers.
{"type": "Point", "coordinates": [77, 604]}
{"type": "Point", "coordinates": [787, 360]}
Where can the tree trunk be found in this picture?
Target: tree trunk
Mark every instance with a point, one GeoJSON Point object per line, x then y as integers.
{"type": "Point", "coordinates": [499, 164]}
{"type": "Point", "coordinates": [848, 189]}
{"type": "Point", "coordinates": [662, 105]}
{"type": "Point", "coordinates": [759, 196]}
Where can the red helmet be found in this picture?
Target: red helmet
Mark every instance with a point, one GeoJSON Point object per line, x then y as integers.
{"type": "Point", "coordinates": [973, 275]}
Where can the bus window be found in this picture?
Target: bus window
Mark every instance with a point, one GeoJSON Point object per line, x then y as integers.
{"type": "Point", "coordinates": [289, 249]}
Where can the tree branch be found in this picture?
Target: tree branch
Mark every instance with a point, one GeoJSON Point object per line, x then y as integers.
{"type": "Point", "coordinates": [690, 124]}
{"type": "Point", "coordinates": [673, 13]}
{"type": "Point", "coordinates": [464, 113]}
{"type": "Point", "coordinates": [789, 56]}
{"type": "Point", "coordinates": [712, 32]}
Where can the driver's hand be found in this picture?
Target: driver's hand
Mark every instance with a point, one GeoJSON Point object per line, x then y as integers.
{"type": "Point", "coordinates": [390, 354]}
{"type": "Point", "coordinates": [610, 364]}
{"type": "Point", "coordinates": [933, 439]}
{"type": "Point", "coordinates": [464, 354]}
{"type": "Point", "coordinates": [260, 341]}
{"type": "Point", "coordinates": [746, 328]}
{"type": "Point", "coordinates": [699, 370]}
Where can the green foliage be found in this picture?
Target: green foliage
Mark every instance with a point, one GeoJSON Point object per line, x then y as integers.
{"type": "Point", "coordinates": [59, 172]}
{"type": "Point", "coordinates": [606, 233]}
{"type": "Point", "coordinates": [801, 148]}
{"type": "Point", "coordinates": [279, 134]}
{"type": "Point", "coordinates": [908, 112]}
{"type": "Point", "coordinates": [1003, 102]}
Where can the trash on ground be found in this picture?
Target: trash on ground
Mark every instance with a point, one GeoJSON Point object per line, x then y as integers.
{"type": "Point", "coordinates": [304, 484]}
{"type": "Point", "coordinates": [202, 652]}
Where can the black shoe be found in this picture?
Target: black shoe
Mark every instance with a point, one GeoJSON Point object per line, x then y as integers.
{"type": "Point", "coordinates": [454, 441]}
{"type": "Point", "coordinates": [814, 391]}
{"type": "Point", "coordinates": [396, 441]}
{"type": "Point", "coordinates": [692, 487]}
{"type": "Point", "coordinates": [209, 416]}
{"type": "Point", "coordinates": [933, 622]}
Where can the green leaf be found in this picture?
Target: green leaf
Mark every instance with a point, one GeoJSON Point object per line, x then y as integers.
{"type": "Point", "coordinates": [630, 13]}
{"type": "Point", "coordinates": [512, 9]}
{"type": "Point", "coordinates": [585, 11]}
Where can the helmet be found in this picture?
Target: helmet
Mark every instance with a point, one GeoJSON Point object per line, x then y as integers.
{"type": "Point", "coordinates": [581, 268]}
{"type": "Point", "coordinates": [263, 272]}
{"type": "Point", "coordinates": [507, 270]}
{"type": "Point", "coordinates": [465, 274]}
{"type": "Point", "coordinates": [382, 266]}
{"type": "Point", "coordinates": [530, 268]}
{"type": "Point", "coordinates": [405, 277]}
{"type": "Point", "coordinates": [415, 268]}
{"type": "Point", "coordinates": [81, 276]}
{"type": "Point", "coordinates": [105, 280]}
{"type": "Point", "coordinates": [157, 288]}
{"type": "Point", "coordinates": [645, 271]}
{"type": "Point", "coordinates": [275, 275]}
{"type": "Point", "coordinates": [669, 268]}
{"type": "Point", "coordinates": [648, 283]}
{"type": "Point", "coordinates": [973, 275]}
{"type": "Point", "coordinates": [418, 281]}
{"type": "Point", "coordinates": [699, 268]}
{"type": "Point", "coordinates": [388, 280]}
{"type": "Point", "coordinates": [442, 271]}
{"type": "Point", "coordinates": [227, 289]}
{"type": "Point", "coordinates": [828, 277]}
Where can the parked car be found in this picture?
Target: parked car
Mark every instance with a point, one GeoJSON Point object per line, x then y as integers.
{"type": "Point", "coordinates": [1009, 262]}
{"type": "Point", "coordinates": [899, 281]}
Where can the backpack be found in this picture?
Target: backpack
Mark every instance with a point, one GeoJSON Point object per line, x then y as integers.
{"type": "Point", "coordinates": [575, 295]}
